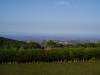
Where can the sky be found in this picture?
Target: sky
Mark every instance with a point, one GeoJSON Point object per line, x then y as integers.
{"type": "Point", "coordinates": [50, 17]}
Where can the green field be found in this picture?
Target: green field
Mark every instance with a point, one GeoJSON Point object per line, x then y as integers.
{"type": "Point", "coordinates": [85, 68]}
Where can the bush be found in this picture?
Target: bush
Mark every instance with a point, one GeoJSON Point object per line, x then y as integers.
{"type": "Point", "coordinates": [54, 55]}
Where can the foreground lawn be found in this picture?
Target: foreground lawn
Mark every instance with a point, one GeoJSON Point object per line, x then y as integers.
{"type": "Point", "coordinates": [51, 69]}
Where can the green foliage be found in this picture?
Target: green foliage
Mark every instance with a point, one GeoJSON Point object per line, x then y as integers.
{"type": "Point", "coordinates": [52, 44]}
{"type": "Point", "coordinates": [12, 51]}
{"type": "Point", "coordinates": [54, 55]}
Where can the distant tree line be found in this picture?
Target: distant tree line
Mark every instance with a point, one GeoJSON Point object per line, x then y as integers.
{"type": "Point", "coordinates": [6, 43]}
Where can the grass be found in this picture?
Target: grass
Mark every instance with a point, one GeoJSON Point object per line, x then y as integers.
{"type": "Point", "coordinates": [80, 68]}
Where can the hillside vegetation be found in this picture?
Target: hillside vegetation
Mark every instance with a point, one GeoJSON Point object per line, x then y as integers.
{"type": "Point", "coordinates": [13, 51]}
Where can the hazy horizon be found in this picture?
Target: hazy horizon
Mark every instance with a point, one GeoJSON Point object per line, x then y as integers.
{"type": "Point", "coordinates": [52, 18]}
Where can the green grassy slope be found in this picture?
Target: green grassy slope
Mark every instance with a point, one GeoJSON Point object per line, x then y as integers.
{"type": "Point", "coordinates": [85, 68]}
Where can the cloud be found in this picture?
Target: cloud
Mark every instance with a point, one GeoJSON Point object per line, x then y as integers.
{"type": "Point", "coordinates": [67, 4]}
{"type": "Point", "coordinates": [64, 3]}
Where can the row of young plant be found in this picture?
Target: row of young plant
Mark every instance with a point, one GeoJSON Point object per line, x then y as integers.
{"type": "Point", "coordinates": [54, 55]}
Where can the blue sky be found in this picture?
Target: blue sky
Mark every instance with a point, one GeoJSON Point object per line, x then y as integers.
{"type": "Point", "coordinates": [50, 17]}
